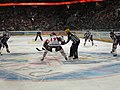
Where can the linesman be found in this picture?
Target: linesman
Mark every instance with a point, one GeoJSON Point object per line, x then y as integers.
{"type": "Point", "coordinates": [75, 43]}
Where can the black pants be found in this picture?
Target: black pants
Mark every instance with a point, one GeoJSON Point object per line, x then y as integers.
{"type": "Point", "coordinates": [114, 46]}
{"type": "Point", "coordinates": [57, 48]}
{"type": "Point", "coordinates": [37, 37]}
{"type": "Point", "coordinates": [90, 39]}
{"type": "Point", "coordinates": [4, 44]}
{"type": "Point", "coordinates": [74, 49]}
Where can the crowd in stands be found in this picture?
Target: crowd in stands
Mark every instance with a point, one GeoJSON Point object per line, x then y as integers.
{"type": "Point", "coordinates": [76, 17]}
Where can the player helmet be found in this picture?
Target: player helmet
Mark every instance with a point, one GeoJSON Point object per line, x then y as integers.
{"type": "Point", "coordinates": [111, 33]}
{"type": "Point", "coordinates": [67, 30]}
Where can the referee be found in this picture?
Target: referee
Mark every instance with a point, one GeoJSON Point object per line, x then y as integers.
{"type": "Point", "coordinates": [75, 43]}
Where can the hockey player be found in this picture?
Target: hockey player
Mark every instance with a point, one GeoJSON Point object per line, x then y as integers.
{"type": "Point", "coordinates": [116, 41]}
{"type": "Point", "coordinates": [4, 39]}
{"type": "Point", "coordinates": [53, 42]}
{"type": "Point", "coordinates": [6, 33]}
{"type": "Point", "coordinates": [38, 34]}
{"type": "Point", "coordinates": [75, 44]}
{"type": "Point", "coordinates": [88, 36]}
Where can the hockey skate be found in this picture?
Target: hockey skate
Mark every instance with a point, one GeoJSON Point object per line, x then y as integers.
{"type": "Point", "coordinates": [8, 51]}
{"type": "Point", "coordinates": [0, 53]}
{"type": "Point", "coordinates": [84, 44]}
{"type": "Point", "coordinates": [42, 59]}
{"type": "Point", "coordinates": [66, 58]}
{"type": "Point", "coordinates": [114, 52]}
{"type": "Point", "coordinates": [92, 44]}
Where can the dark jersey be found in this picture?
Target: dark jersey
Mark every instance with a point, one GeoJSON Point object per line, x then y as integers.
{"type": "Point", "coordinates": [5, 37]}
{"type": "Point", "coordinates": [88, 35]}
{"type": "Point", "coordinates": [116, 37]}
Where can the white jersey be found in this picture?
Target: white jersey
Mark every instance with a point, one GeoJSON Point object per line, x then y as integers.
{"type": "Point", "coordinates": [53, 41]}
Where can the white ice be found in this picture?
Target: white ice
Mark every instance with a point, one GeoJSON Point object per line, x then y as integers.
{"type": "Point", "coordinates": [22, 69]}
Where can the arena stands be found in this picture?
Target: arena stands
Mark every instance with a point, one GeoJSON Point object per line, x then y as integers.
{"type": "Point", "coordinates": [102, 15]}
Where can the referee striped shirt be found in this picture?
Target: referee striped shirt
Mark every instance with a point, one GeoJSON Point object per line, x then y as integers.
{"type": "Point", "coordinates": [73, 38]}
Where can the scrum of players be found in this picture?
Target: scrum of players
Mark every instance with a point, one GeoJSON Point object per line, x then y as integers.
{"type": "Point", "coordinates": [87, 36]}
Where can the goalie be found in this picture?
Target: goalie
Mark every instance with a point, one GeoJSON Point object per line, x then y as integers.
{"type": "Point", "coordinates": [54, 42]}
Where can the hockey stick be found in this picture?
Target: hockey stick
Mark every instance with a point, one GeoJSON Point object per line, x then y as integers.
{"type": "Point", "coordinates": [1, 50]}
{"type": "Point", "coordinates": [40, 49]}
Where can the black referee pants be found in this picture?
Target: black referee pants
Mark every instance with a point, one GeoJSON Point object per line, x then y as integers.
{"type": "Point", "coordinates": [74, 49]}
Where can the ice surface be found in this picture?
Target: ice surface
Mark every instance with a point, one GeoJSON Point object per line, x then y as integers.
{"type": "Point", "coordinates": [96, 68]}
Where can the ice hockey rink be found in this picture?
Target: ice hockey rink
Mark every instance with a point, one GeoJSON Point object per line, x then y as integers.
{"type": "Point", "coordinates": [96, 68]}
